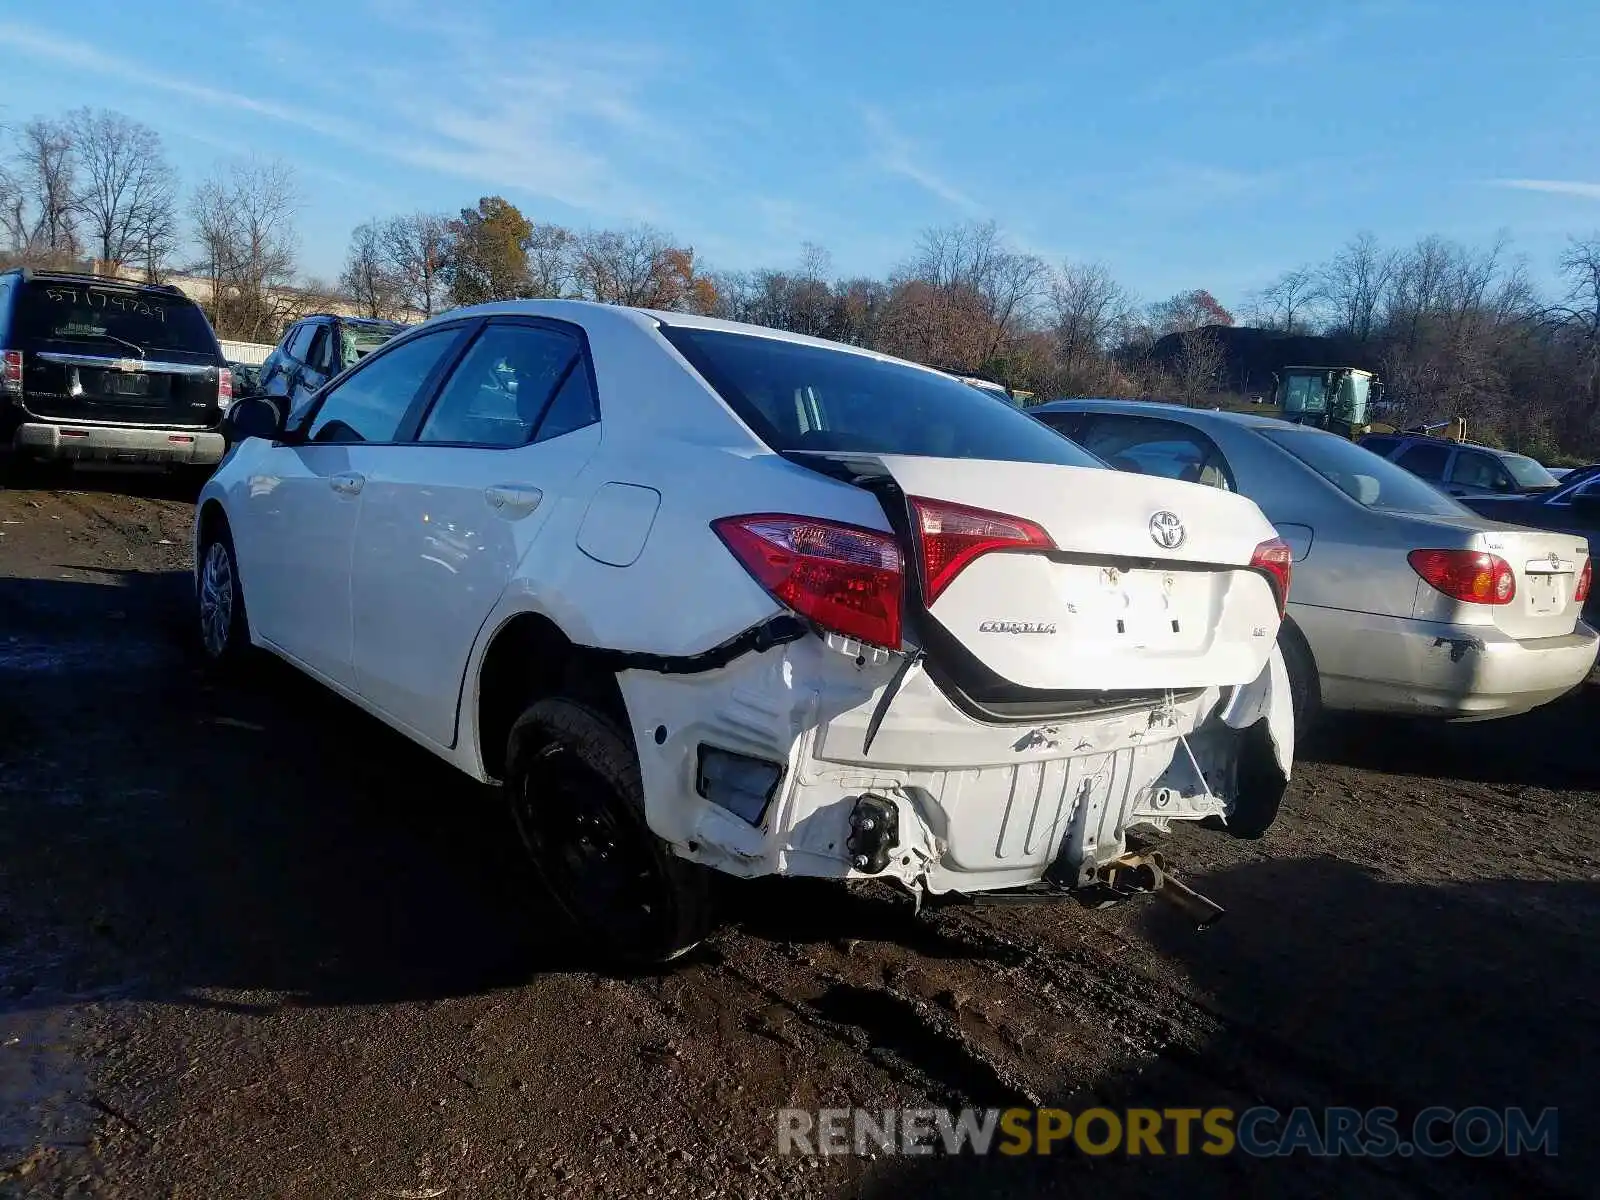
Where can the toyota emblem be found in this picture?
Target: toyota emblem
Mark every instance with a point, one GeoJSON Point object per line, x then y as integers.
{"type": "Point", "coordinates": [1166, 530]}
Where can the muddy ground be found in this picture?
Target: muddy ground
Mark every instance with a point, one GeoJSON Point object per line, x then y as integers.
{"type": "Point", "coordinates": [253, 944]}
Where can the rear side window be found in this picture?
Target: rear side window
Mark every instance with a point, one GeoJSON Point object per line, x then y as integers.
{"type": "Point", "coordinates": [1378, 444]}
{"type": "Point", "coordinates": [811, 398]}
{"type": "Point", "coordinates": [111, 321]}
{"type": "Point", "coordinates": [1369, 479]}
{"type": "Point", "coordinates": [1151, 446]}
{"type": "Point", "coordinates": [1425, 459]}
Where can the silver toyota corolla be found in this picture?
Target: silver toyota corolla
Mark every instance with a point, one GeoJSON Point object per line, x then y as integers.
{"type": "Point", "coordinates": [1404, 600]}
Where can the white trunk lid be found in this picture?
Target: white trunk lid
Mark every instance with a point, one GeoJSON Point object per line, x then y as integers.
{"type": "Point", "coordinates": [1546, 566]}
{"type": "Point", "coordinates": [1123, 602]}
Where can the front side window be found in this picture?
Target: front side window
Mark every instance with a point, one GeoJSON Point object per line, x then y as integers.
{"type": "Point", "coordinates": [799, 398]}
{"type": "Point", "coordinates": [1425, 459]}
{"type": "Point", "coordinates": [371, 403]}
{"type": "Point", "coordinates": [1476, 470]}
{"type": "Point", "coordinates": [501, 389]}
{"type": "Point", "coordinates": [1527, 472]}
{"type": "Point", "coordinates": [1150, 446]}
{"type": "Point", "coordinates": [1369, 479]}
{"type": "Point", "coordinates": [298, 343]}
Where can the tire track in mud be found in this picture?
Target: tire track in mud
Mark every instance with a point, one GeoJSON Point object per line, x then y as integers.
{"type": "Point", "coordinates": [965, 1014]}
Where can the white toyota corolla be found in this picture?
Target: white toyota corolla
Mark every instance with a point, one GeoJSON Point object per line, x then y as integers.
{"type": "Point", "coordinates": [698, 594]}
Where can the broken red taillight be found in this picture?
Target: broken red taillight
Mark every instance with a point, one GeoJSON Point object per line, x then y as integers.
{"type": "Point", "coordinates": [1473, 576]}
{"type": "Point", "coordinates": [11, 373]}
{"type": "Point", "coordinates": [952, 535]}
{"type": "Point", "coordinates": [847, 579]}
{"type": "Point", "coordinates": [1275, 560]}
{"type": "Point", "coordinates": [224, 389]}
{"type": "Point", "coordinates": [1585, 578]}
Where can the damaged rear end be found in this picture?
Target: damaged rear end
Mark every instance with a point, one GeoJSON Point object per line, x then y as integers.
{"type": "Point", "coordinates": [1028, 656]}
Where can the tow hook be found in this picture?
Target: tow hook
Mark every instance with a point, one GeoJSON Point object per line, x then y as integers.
{"type": "Point", "coordinates": [1135, 873]}
{"type": "Point", "coordinates": [874, 833]}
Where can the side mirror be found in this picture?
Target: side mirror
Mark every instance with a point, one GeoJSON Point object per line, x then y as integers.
{"type": "Point", "coordinates": [253, 416]}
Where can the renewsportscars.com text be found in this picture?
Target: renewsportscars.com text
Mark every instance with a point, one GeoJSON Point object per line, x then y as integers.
{"type": "Point", "coordinates": [1261, 1131]}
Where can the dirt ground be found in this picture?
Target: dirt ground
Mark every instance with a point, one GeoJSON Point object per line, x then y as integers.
{"type": "Point", "coordinates": [254, 945]}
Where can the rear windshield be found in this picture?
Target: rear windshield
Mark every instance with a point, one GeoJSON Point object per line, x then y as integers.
{"type": "Point", "coordinates": [1367, 478]}
{"type": "Point", "coordinates": [799, 398]}
{"type": "Point", "coordinates": [359, 341]}
{"type": "Point", "coordinates": [112, 321]}
{"type": "Point", "coordinates": [1527, 472]}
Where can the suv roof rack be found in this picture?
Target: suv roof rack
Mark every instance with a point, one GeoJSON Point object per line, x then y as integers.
{"type": "Point", "coordinates": [29, 273]}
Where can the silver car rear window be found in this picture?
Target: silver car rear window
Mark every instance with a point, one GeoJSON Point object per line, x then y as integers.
{"type": "Point", "coordinates": [1367, 478]}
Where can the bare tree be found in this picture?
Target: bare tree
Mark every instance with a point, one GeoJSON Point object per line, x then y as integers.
{"type": "Point", "coordinates": [640, 267]}
{"type": "Point", "coordinates": [1198, 366]}
{"type": "Point", "coordinates": [1086, 307]}
{"type": "Point", "coordinates": [1285, 303]}
{"type": "Point", "coordinates": [1355, 286]}
{"type": "Point", "coordinates": [40, 211]}
{"type": "Point", "coordinates": [243, 218]}
{"type": "Point", "coordinates": [414, 247]}
{"type": "Point", "coordinates": [974, 258]}
{"type": "Point", "coordinates": [127, 192]}
{"type": "Point", "coordinates": [551, 251]}
{"type": "Point", "coordinates": [368, 277]}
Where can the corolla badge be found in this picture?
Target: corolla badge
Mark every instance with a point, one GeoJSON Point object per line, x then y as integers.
{"type": "Point", "coordinates": [1166, 530]}
{"type": "Point", "coordinates": [1017, 627]}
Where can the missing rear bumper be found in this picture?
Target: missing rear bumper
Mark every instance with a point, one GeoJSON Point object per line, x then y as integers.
{"type": "Point", "coordinates": [1115, 882]}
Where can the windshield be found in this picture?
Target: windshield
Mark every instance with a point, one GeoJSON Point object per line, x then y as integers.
{"type": "Point", "coordinates": [123, 321]}
{"type": "Point", "coordinates": [1369, 480]}
{"type": "Point", "coordinates": [1528, 473]}
{"type": "Point", "coordinates": [1303, 394]}
{"type": "Point", "coordinates": [800, 397]}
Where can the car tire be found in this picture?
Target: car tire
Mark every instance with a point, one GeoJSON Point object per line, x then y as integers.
{"type": "Point", "coordinates": [1258, 785]}
{"type": "Point", "coordinates": [222, 624]}
{"type": "Point", "coordinates": [575, 793]}
{"type": "Point", "coordinates": [1305, 685]}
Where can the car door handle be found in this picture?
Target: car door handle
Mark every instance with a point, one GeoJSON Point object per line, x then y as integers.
{"type": "Point", "coordinates": [512, 500]}
{"type": "Point", "coordinates": [347, 484]}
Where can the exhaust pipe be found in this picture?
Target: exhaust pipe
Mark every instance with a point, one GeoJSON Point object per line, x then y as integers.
{"type": "Point", "coordinates": [1134, 873]}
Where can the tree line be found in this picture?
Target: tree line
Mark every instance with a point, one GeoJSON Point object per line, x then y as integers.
{"type": "Point", "coordinates": [1452, 329]}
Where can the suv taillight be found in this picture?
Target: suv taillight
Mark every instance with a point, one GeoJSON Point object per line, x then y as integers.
{"type": "Point", "coordinates": [952, 535]}
{"type": "Point", "coordinates": [1275, 560]}
{"type": "Point", "coordinates": [847, 579]}
{"type": "Point", "coordinates": [1469, 575]}
{"type": "Point", "coordinates": [1585, 578]}
{"type": "Point", "coordinates": [224, 388]}
{"type": "Point", "coordinates": [11, 373]}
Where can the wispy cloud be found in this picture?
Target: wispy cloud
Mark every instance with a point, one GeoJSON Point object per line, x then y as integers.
{"type": "Point", "coordinates": [1558, 187]}
{"type": "Point", "coordinates": [551, 124]}
{"type": "Point", "coordinates": [896, 154]}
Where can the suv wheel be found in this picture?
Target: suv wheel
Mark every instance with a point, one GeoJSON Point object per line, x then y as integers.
{"type": "Point", "coordinates": [573, 785]}
{"type": "Point", "coordinates": [224, 631]}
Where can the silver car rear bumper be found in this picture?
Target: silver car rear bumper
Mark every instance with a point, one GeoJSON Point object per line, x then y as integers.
{"type": "Point", "coordinates": [119, 444]}
{"type": "Point", "coordinates": [1372, 663]}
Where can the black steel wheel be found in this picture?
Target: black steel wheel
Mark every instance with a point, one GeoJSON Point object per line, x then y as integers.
{"type": "Point", "coordinates": [573, 785]}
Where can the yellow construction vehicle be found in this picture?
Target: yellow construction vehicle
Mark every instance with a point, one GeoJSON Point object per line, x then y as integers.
{"type": "Point", "coordinates": [1333, 398]}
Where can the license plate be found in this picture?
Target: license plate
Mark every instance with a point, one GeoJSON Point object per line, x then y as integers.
{"type": "Point", "coordinates": [128, 385]}
{"type": "Point", "coordinates": [1544, 593]}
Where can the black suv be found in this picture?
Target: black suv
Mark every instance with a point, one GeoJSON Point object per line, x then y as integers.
{"type": "Point", "coordinates": [1460, 468]}
{"type": "Point", "coordinates": [101, 369]}
{"type": "Point", "coordinates": [315, 349]}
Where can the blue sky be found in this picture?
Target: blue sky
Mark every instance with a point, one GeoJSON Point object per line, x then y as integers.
{"type": "Point", "coordinates": [1182, 144]}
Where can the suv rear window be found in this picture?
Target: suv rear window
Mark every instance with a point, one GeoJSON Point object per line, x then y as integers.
{"type": "Point", "coordinates": [799, 397]}
{"type": "Point", "coordinates": [111, 320]}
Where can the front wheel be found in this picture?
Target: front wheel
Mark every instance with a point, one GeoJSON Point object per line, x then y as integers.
{"type": "Point", "coordinates": [224, 630]}
{"type": "Point", "coordinates": [573, 785]}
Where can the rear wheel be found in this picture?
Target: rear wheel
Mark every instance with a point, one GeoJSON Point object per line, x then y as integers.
{"type": "Point", "coordinates": [1305, 687]}
{"type": "Point", "coordinates": [1258, 785]}
{"type": "Point", "coordinates": [224, 629]}
{"type": "Point", "coordinates": [573, 785]}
